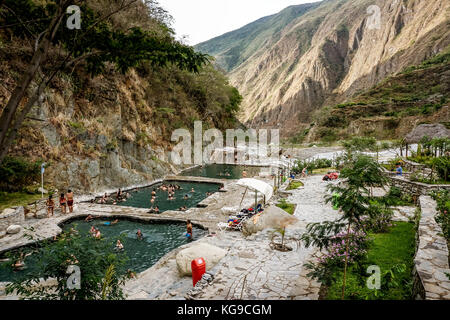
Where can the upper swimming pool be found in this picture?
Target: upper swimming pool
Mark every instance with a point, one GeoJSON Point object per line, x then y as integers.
{"type": "Point", "coordinates": [222, 171]}
{"type": "Point", "coordinates": [140, 198]}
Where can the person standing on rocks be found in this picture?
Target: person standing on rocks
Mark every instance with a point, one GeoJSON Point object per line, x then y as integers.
{"type": "Point", "coordinates": [63, 203]}
{"type": "Point", "coordinates": [50, 206]}
{"type": "Point", "coordinates": [69, 197]}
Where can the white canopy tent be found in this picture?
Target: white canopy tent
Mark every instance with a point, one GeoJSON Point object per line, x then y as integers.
{"type": "Point", "coordinates": [257, 186]}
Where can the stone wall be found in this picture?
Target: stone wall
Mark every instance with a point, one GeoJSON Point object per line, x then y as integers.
{"type": "Point", "coordinates": [11, 216]}
{"type": "Point", "coordinates": [431, 260]}
{"type": "Point", "coordinates": [416, 188]}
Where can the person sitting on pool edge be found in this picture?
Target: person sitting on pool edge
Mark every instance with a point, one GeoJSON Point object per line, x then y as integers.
{"type": "Point", "coordinates": [154, 210]}
{"type": "Point", "coordinates": [189, 234]}
{"type": "Point", "coordinates": [119, 194]}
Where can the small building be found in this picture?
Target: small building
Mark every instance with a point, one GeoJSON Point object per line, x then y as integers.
{"type": "Point", "coordinates": [434, 130]}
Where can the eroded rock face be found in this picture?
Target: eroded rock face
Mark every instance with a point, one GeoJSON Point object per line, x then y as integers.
{"type": "Point", "coordinates": [132, 165]}
{"type": "Point", "coordinates": [211, 254]}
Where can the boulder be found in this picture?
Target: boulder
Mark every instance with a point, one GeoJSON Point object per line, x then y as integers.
{"type": "Point", "coordinates": [41, 214]}
{"type": "Point", "coordinates": [210, 253]}
{"type": "Point", "coordinates": [13, 229]}
{"type": "Point", "coordinates": [272, 218]}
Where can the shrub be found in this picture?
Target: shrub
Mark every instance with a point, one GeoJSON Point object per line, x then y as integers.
{"type": "Point", "coordinates": [380, 219]}
{"type": "Point", "coordinates": [17, 173]}
{"type": "Point", "coordinates": [443, 206]}
{"type": "Point", "coordinates": [442, 166]}
{"type": "Point", "coordinates": [360, 143]}
{"type": "Point", "coordinates": [311, 165]}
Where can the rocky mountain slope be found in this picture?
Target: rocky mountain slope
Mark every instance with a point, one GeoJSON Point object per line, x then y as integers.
{"type": "Point", "coordinates": [324, 53]}
{"type": "Point", "coordinates": [419, 94]}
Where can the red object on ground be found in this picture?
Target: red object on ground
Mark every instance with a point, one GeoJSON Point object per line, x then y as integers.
{"type": "Point", "coordinates": [334, 175]}
{"type": "Point", "coordinates": [198, 267]}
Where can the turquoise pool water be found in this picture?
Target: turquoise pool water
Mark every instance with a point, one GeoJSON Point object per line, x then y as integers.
{"type": "Point", "coordinates": [141, 198]}
{"type": "Point", "coordinates": [222, 171]}
{"type": "Point", "coordinates": [159, 239]}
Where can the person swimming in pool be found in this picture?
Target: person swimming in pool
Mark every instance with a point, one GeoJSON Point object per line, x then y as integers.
{"type": "Point", "coordinates": [139, 234]}
{"type": "Point", "coordinates": [109, 223]}
{"type": "Point", "coordinates": [98, 234]}
{"type": "Point", "coordinates": [192, 190]}
{"type": "Point", "coordinates": [89, 218]}
{"type": "Point", "coordinates": [19, 264]}
{"type": "Point", "coordinates": [119, 245]}
{"type": "Point", "coordinates": [189, 229]}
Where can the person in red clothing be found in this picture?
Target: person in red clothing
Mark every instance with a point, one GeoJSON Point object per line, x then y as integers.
{"type": "Point", "coordinates": [69, 197]}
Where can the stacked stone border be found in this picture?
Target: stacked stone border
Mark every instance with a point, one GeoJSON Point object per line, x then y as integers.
{"type": "Point", "coordinates": [431, 260]}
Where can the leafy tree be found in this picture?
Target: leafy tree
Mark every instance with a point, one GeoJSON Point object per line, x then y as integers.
{"type": "Point", "coordinates": [97, 44]}
{"type": "Point", "coordinates": [16, 173]}
{"type": "Point", "coordinates": [358, 176]}
{"type": "Point", "coordinates": [98, 265]}
{"type": "Point", "coordinates": [360, 144]}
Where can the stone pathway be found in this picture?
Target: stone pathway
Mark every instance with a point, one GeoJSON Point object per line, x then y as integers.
{"type": "Point", "coordinates": [253, 271]}
{"type": "Point", "coordinates": [431, 261]}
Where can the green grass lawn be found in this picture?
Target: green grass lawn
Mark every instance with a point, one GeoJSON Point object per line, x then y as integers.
{"type": "Point", "coordinates": [386, 250]}
{"type": "Point", "coordinates": [13, 199]}
{"type": "Point", "coordinates": [323, 170]}
{"type": "Point", "coordinates": [294, 185]}
{"type": "Point", "coordinates": [288, 207]}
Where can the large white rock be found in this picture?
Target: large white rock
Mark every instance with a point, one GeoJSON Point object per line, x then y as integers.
{"type": "Point", "coordinates": [13, 229]}
{"type": "Point", "coordinates": [8, 211]}
{"type": "Point", "coordinates": [210, 253]}
{"type": "Point", "coordinates": [272, 218]}
{"type": "Point", "coordinates": [42, 190]}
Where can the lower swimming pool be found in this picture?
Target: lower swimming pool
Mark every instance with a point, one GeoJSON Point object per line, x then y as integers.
{"type": "Point", "coordinates": [159, 239]}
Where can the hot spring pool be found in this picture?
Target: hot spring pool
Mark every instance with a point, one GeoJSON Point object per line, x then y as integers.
{"type": "Point", "coordinates": [159, 239]}
{"type": "Point", "coordinates": [141, 197]}
{"type": "Point", "coordinates": [222, 171]}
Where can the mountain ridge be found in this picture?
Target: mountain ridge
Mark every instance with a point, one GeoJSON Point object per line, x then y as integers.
{"type": "Point", "coordinates": [329, 53]}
